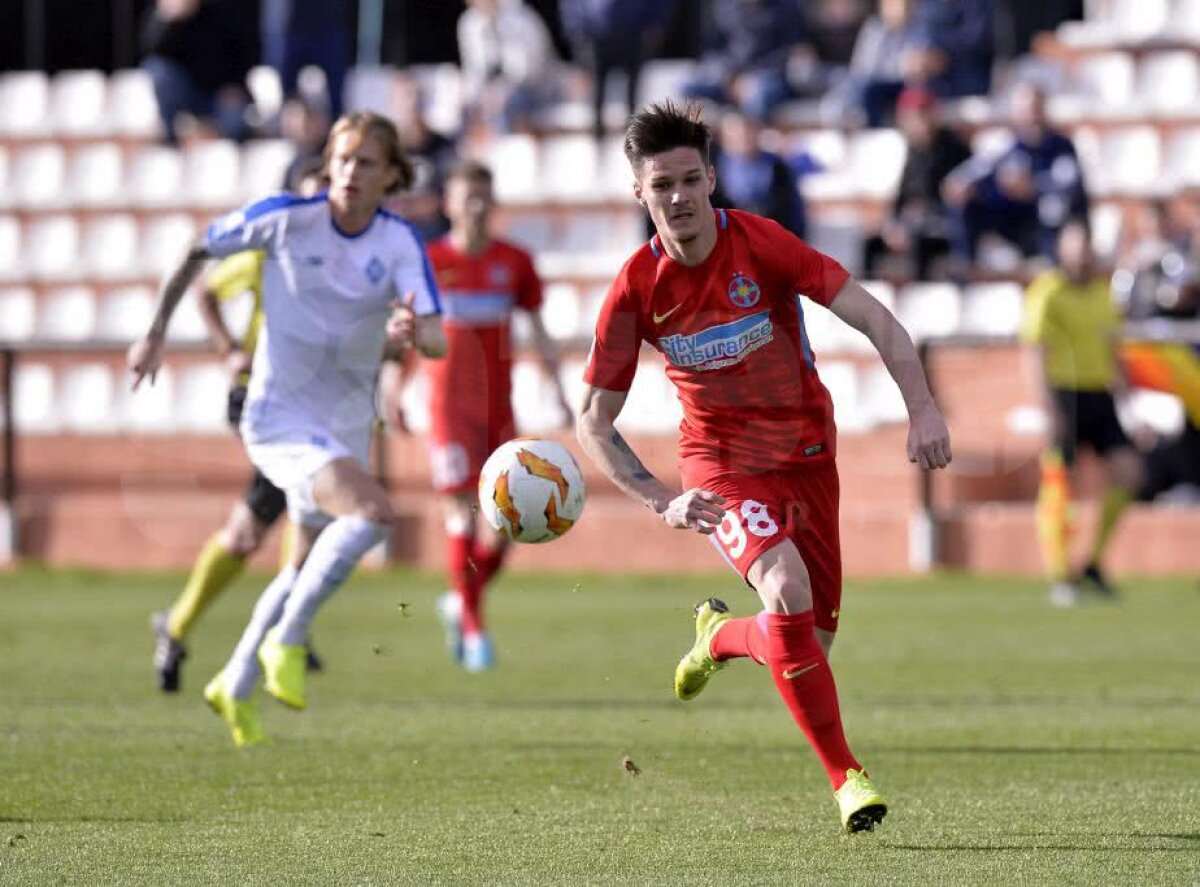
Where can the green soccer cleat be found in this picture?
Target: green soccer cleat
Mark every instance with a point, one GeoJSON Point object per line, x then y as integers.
{"type": "Point", "coordinates": [861, 805]}
{"type": "Point", "coordinates": [240, 714]}
{"type": "Point", "coordinates": [285, 670]}
{"type": "Point", "coordinates": [697, 666]}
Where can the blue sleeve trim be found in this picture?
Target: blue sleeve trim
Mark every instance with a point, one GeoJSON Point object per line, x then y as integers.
{"type": "Point", "coordinates": [278, 202]}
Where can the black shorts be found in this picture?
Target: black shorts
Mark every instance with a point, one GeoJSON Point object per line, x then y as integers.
{"type": "Point", "coordinates": [265, 500]}
{"type": "Point", "coordinates": [1088, 418]}
{"type": "Point", "coordinates": [234, 405]}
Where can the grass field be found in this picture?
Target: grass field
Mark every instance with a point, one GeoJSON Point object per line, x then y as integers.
{"type": "Point", "coordinates": [1018, 744]}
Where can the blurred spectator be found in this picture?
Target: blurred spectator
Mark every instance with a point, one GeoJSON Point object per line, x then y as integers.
{"type": "Point", "coordinates": [916, 228]}
{"type": "Point", "coordinates": [508, 63]}
{"type": "Point", "coordinates": [1025, 193]}
{"type": "Point", "coordinates": [754, 179]}
{"type": "Point", "coordinates": [305, 124]}
{"type": "Point", "coordinates": [296, 33]}
{"type": "Point", "coordinates": [197, 54]}
{"type": "Point", "coordinates": [886, 54]}
{"type": "Point", "coordinates": [760, 50]}
{"type": "Point", "coordinates": [959, 38]}
{"type": "Point", "coordinates": [833, 27]}
{"type": "Point", "coordinates": [614, 35]}
{"type": "Point", "coordinates": [433, 157]}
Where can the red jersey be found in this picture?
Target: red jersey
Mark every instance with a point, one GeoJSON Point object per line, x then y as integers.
{"type": "Point", "coordinates": [732, 332]}
{"type": "Point", "coordinates": [478, 295]}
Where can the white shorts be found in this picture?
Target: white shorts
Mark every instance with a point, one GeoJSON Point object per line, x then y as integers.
{"type": "Point", "coordinates": [291, 461]}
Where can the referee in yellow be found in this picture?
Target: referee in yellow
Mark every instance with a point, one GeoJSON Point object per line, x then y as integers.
{"type": "Point", "coordinates": [1073, 324]}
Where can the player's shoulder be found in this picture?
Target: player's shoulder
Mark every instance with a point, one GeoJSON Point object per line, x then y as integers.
{"type": "Point", "coordinates": [401, 231]}
{"type": "Point", "coordinates": [641, 268]}
{"type": "Point", "coordinates": [511, 252]}
{"type": "Point", "coordinates": [753, 225]}
{"type": "Point", "coordinates": [285, 203]}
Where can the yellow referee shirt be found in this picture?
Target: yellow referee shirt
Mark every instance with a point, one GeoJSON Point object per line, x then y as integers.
{"type": "Point", "coordinates": [235, 276]}
{"type": "Point", "coordinates": [1075, 323]}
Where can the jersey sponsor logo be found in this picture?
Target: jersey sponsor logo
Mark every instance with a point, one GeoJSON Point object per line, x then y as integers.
{"type": "Point", "coordinates": [743, 292]}
{"type": "Point", "coordinates": [719, 346]}
{"type": "Point", "coordinates": [659, 318]}
{"type": "Point", "coordinates": [375, 270]}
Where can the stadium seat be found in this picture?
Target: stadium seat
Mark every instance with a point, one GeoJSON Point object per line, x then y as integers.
{"type": "Point", "coordinates": [652, 407]}
{"type": "Point", "coordinates": [992, 309]}
{"type": "Point", "coordinates": [1168, 82]}
{"type": "Point", "coordinates": [616, 178]}
{"type": "Point", "coordinates": [131, 104]}
{"type": "Point", "coordinates": [929, 310]}
{"type": "Point", "coordinates": [109, 248]}
{"type": "Point", "coordinates": [18, 311]}
{"type": "Point", "coordinates": [265, 90]}
{"type": "Point", "coordinates": [441, 91]}
{"type": "Point", "coordinates": [535, 407]}
{"type": "Point", "coordinates": [12, 264]}
{"type": "Point", "coordinates": [1131, 157]}
{"type": "Point", "coordinates": [150, 409]}
{"type": "Point", "coordinates": [839, 235]}
{"type": "Point", "coordinates": [78, 104]}
{"type": "Point", "coordinates": [835, 180]}
{"type": "Point", "coordinates": [1181, 162]}
{"type": "Point", "coordinates": [590, 303]}
{"type": "Point", "coordinates": [515, 157]}
{"type": "Point", "coordinates": [96, 175]}
{"type": "Point", "coordinates": [879, 398]}
{"type": "Point", "coordinates": [263, 164]}
{"type": "Point", "coordinates": [163, 241]}
{"type": "Point", "coordinates": [560, 311]}
{"type": "Point", "coordinates": [156, 176]}
{"type": "Point", "coordinates": [210, 174]}
{"type": "Point", "coordinates": [125, 313]}
{"type": "Point", "coordinates": [51, 246]}
{"type": "Point", "coordinates": [200, 399]}
{"type": "Point", "coordinates": [86, 398]}
{"type": "Point", "coordinates": [67, 314]}
{"type": "Point", "coordinates": [1109, 78]}
{"type": "Point", "coordinates": [6, 195]}
{"type": "Point", "coordinates": [876, 159]}
{"type": "Point", "coordinates": [533, 231]}
{"type": "Point", "coordinates": [1185, 18]}
{"type": "Point", "coordinates": [24, 97]}
{"type": "Point", "coordinates": [1139, 20]}
{"type": "Point", "coordinates": [570, 168]}
{"type": "Point", "coordinates": [35, 406]}
{"type": "Point", "coordinates": [1106, 220]}
{"type": "Point", "coordinates": [841, 379]}
{"type": "Point", "coordinates": [39, 176]}
{"type": "Point", "coordinates": [663, 79]}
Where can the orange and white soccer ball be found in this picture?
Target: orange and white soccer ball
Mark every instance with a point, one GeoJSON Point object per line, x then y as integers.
{"type": "Point", "coordinates": [531, 490]}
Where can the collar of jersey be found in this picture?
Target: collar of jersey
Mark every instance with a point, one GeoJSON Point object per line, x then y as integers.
{"type": "Point", "coordinates": [346, 234]}
{"type": "Point", "coordinates": [722, 223]}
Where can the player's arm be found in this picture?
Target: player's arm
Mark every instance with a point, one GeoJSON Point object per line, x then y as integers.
{"type": "Point", "coordinates": [407, 329]}
{"type": "Point", "coordinates": [208, 299]}
{"type": "Point", "coordinates": [548, 355]}
{"type": "Point", "coordinates": [694, 509]}
{"type": "Point", "coordinates": [145, 355]}
{"type": "Point", "coordinates": [928, 438]}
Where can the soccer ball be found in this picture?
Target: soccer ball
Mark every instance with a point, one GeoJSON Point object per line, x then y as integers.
{"type": "Point", "coordinates": [531, 490]}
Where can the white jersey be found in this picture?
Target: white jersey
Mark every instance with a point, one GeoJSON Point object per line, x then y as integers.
{"type": "Point", "coordinates": [326, 300]}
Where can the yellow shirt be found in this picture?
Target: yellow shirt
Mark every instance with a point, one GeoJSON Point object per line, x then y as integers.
{"type": "Point", "coordinates": [236, 276]}
{"type": "Point", "coordinates": [1075, 324]}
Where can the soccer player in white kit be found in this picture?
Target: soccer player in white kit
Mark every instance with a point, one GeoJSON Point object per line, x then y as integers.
{"type": "Point", "coordinates": [345, 284]}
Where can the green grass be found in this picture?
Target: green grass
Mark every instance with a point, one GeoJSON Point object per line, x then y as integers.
{"type": "Point", "coordinates": [1018, 744]}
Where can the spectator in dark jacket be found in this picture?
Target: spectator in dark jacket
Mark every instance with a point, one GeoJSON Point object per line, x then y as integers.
{"type": "Point", "coordinates": [197, 53]}
{"type": "Point", "coordinates": [296, 33]}
{"type": "Point", "coordinates": [959, 37]}
{"type": "Point", "coordinates": [916, 228]}
{"type": "Point", "coordinates": [1025, 193]}
{"type": "Point", "coordinates": [753, 179]}
{"type": "Point", "coordinates": [614, 35]}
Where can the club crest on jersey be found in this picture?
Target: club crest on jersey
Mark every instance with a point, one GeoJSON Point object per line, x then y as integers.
{"type": "Point", "coordinates": [719, 346]}
{"type": "Point", "coordinates": [375, 270]}
{"type": "Point", "coordinates": [743, 292]}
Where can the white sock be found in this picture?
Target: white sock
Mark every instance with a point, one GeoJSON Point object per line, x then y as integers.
{"type": "Point", "coordinates": [333, 556]}
{"type": "Point", "coordinates": [241, 671]}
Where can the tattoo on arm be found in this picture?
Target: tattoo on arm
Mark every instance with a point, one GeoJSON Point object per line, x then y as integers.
{"type": "Point", "coordinates": [640, 472]}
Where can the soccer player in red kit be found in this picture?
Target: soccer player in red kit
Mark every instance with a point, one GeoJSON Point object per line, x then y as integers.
{"type": "Point", "coordinates": [482, 280]}
{"type": "Point", "coordinates": [720, 294]}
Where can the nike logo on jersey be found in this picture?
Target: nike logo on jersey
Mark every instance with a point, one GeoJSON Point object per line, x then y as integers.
{"type": "Point", "coordinates": [659, 318]}
{"type": "Point", "coordinates": [791, 674]}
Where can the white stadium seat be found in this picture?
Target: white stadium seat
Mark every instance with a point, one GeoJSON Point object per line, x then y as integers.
{"type": "Point", "coordinates": [200, 399]}
{"type": "Point", "coordinates": [652, 407]}
{"type": "Point", "coordinates": [109, 247]}
{"type": "Point", "coordinates": [1168, 82]}
{"type": "Point", "coordinates": [12, 264]}
{"type": "Point", "coordinates": [929, 310]}
{"type": "Point", "coordinates": [262, 167]}
{"type": "Point", "coordinates": [78, 104]}
{"type": "Point", "coordinates": [67, 314]}
{"type": "Point", "coordinates": [1131, 157]}
{"type": "Point", "coordinates": [210, 174]}
{"type": "Point", "coordinates": [163, 241]}
{"type": "Point", "coordinates": [24, 97]}
{"type": "Point", "coordinates": [51, 247]}
{"type": "Point", "coordinates": [876, 159]}
{"type": "Point", "coordinates": [187, 325]}
{"type": "Point", "coordinates": [35, 406]}
{"type": "Point", "coordinates": [18, 311]}
{"type": "Point", "coordinates": [150, 409]}
{"type": "Point", "coordinates": [560, 311]}
{"type": "Point", "coordinates": [132, 107]}
{"type": "Point", "coordinates": [156, 176]}
{"type": "Point", "coordinates": [124, 313]}
{"type": "Point", "coordinates": [6, 195]}
{"type": "Point", "coordinates": [96, 175]}
{"type": "Point", "coordinates": [992, 309]}
{"type": "Point", "coordinates": [879, 398]}
{"type": "Point", "coordinates": [1106, 220]}
{"type": "Point", "coordinates": [1108, 77]}
{"type": "Point", "coordinates": [39, 176]}
{"type": "Point", "coordinates": [86, 398]}
{"type": "Point", "coordinates": [515, 159]}
{"type": "Point", "coordinates": [265, 90]}
{"type": "Point", "coordinates": [841, 379]}
{"type": "Point", "coordinates": [569, 166]}
{"type": "Point", "coordinates": [535, 407]}
{"type": "Point", "coordinates": [1181, 161]}
{"type": "Point", "coordinates": [664, 79]}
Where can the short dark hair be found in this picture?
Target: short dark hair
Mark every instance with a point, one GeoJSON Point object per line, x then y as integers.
{"type": "Point", "coordinates": [660, 128]}
{"type": "Point", "coordinates": [471, 171]}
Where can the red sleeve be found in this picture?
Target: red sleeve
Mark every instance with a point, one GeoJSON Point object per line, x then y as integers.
{"type": "Point", "coordinates": [613, 359]}
{"type": "Point", "coordinates": [529, 285]}
{"type": "Point", "coordinates": [803, 269]}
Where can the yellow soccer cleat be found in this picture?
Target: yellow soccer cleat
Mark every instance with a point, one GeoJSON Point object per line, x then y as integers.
{"type": "Point", "coordinates": [240, 714]}
{"type": "Point", "coordinates": [285, 670]}
{"type": "Point", "coordinates": [697, 666]}
{"type": "Point", "coordinates": [861, 805]}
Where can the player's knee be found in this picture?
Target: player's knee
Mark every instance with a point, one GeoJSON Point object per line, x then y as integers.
{"type": "Point", "coordinates": [243, 534]}
{"type": "Point", "coordinates": [377, 511]}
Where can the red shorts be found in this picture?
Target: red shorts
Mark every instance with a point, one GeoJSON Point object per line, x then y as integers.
{"type": "Point", "coordinates": [458, 449]}
{"type": "Point", "coordinates": [762, 510]}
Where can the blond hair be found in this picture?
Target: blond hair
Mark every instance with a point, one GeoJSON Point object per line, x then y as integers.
{"type": "Point", "coordinates": [370, 123]}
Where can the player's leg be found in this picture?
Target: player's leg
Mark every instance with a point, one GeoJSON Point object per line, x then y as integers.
{"type": "Point", "coordinates": [458, 608]}
{"type": "Point", "coordinates": [362, 516]}
{"type": "Point", "coordinates": [1055, 513]}
{"type": "Point", "coordinates": [1124, 471]}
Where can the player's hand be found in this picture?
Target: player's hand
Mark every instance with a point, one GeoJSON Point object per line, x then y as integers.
{"type": "Point", "coordinates": [237, 363]}
{"type": "Point", "coordinates": [695, 509]}
{"type": "Point", "coordinates": [144, 358]}
{"type": "Point", "coordinates": [402, 324]}
{"type": "Point", "coordinates": [929, 439]}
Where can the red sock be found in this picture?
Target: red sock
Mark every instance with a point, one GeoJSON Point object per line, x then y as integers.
{"type": "Point", "coordinates": [739, 638]}
{"type": "Point", "coordinates": [488, 561]}
{"type": "Point", "coordinates": [463, 577]}
{"type": "Point", "coordinates": [805, 681]}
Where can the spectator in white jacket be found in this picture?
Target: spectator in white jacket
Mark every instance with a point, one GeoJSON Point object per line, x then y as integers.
{"type": "Point", "coordinates": [508, 63]}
